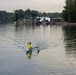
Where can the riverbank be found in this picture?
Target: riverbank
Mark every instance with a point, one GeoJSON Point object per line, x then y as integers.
{"type": "Point", "coordinates": [70, 24]}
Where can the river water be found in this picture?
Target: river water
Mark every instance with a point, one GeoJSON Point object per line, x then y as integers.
{"type": "Point", "coordinates": [57, 46]}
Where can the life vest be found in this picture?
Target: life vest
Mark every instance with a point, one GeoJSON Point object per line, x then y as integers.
{"type": "Point", "coordinates": [29, 46]}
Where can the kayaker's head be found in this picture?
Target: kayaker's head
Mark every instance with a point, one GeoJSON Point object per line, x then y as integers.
{"type": "Point", "coordinates": [29, 43]}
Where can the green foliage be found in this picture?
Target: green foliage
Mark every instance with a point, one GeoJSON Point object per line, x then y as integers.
{"type": "Point", "coordinates": [3, 16]}
{"type": "Point", "coordinates": [20, 13]}
{"type": "Point", "coordinates": [69, 12]}
{"type": "Point", "coordinates": [6, 17]}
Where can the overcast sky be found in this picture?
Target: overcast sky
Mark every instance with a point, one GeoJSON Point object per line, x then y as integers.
{"type": "Point", "coordinates": [40, 5]}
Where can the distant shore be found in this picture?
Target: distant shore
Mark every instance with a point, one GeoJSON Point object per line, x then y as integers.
{"type": "Point", "coordinates": [70, 24]}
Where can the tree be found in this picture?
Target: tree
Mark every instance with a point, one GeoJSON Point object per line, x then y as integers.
{"type": "Point", "coordinates": [20, 13]}
{"type": "Point", "coordinates": [3, 16]}
{"type": "Point", "coordinates": [69, 11]}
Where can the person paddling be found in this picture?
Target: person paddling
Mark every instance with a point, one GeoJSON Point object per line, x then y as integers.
{"type": "Point", "coordinates": [30, 47]}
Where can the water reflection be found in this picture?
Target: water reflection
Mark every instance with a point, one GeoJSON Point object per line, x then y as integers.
{"type": "Point", "coordinates": [29, 56]}
{"type": "Point", "coordinates": [53, 55]}
{"type": "Point", "coordinates": [70, 40]}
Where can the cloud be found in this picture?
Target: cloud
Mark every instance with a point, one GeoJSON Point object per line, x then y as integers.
{"type": "Point", "coordinates": [42, 5]}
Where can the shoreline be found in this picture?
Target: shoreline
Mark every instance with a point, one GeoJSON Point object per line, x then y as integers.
{"type": "Point", "coordinates": [69, 24]}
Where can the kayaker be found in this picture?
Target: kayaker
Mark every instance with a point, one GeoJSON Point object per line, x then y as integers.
{"type": "Point", "coordinates": [30, 47]}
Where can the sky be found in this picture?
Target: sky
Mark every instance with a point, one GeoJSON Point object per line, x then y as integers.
{"type": "Point", "coordinates": [39, 5]}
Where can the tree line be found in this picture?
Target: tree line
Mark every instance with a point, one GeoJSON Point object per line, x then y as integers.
{"type": "Point", "coordinates": [69, 12]}
{"type": "Point", "coordinates": [6, 17]}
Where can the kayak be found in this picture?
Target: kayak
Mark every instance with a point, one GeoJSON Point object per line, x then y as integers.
{"type": "Point", "coordinates": [34, 50]}
{"type": "Point", "coordinates": [27, 52]}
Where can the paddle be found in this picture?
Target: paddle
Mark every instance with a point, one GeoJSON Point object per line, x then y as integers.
{"type": "Point", "coordinates": [28, 51]}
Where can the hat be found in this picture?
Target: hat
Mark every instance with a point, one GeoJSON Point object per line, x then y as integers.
{"type": "Point", "coordinates": [29, 43]}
